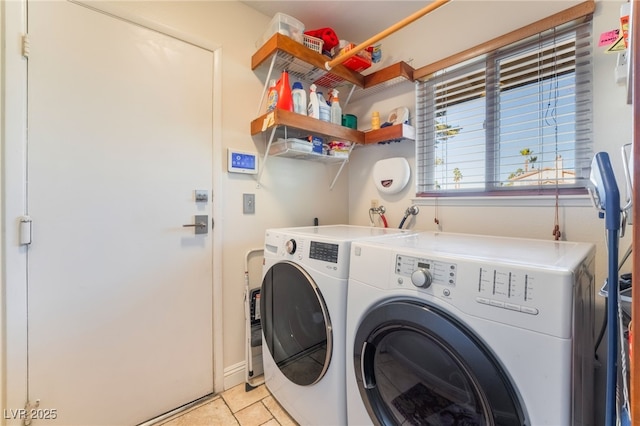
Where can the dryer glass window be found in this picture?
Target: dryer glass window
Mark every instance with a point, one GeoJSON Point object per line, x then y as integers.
{"type": "Point", "coordinates": [296, 324]}
{"type": "Point", "coordinates": [424, 383]}
{"type": "Point", "coordinates": [417, 365]}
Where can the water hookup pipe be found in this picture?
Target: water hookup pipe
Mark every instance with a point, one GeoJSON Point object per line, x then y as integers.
{"type": "Point", "coordinates": [380, 212]}
{"type": "Point", "coordinates": [411, 211]}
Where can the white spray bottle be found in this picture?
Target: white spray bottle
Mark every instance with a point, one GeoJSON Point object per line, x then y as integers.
{"type": "Point", "coordinates": [314, 105]}
{"type": "Point", "coordinates": [336, 110]}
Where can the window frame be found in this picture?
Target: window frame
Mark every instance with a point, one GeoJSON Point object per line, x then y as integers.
{"type": "Point", "coordinates": [573, 19]}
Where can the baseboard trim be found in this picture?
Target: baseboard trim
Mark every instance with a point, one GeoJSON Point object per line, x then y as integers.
{"type": "Point", "coordinates": [234, 375]}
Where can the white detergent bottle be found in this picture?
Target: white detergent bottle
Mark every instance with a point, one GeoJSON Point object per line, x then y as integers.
{"type": "Point", "coordinates": [336, 110]}
{"type": "Point", "coordinates": [299, 98]}
{"type": "Point", "coordinates": [314, 105]}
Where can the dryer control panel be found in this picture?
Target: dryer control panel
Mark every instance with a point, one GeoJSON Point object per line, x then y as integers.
{"type": "Point", "coordinates": [443, 273]}
{"type": "Point", "coordinates": [507, 288]}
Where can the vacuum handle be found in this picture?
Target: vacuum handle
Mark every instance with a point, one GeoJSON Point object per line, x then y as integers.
{"type": "Point", "coordinates": [607, 188]}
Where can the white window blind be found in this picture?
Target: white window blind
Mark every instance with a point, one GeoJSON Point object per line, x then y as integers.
{"type": "Point", "coordinates": [512, 122]}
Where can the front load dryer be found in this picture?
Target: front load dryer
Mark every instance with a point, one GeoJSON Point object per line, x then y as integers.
{"type": "Point", "coordinates": [303, 302]}
{"type": "Point", "coordinates": [466, 329]}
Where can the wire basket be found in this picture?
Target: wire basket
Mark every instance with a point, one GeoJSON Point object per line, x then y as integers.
{"type": "Point", "coordinates": [313, 43]}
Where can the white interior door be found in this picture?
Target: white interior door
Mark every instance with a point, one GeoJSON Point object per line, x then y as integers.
{"type": "Point", "coordinates": [119, 292]}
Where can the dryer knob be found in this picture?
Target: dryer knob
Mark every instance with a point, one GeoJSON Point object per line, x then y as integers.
{"type": "Point", "coordinates": [290, 246]}
{"type": "Point", "coordinates": [421, 278]}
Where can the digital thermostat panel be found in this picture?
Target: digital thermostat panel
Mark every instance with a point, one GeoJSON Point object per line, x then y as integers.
{"type": "Point", "coordinates": [242, 162]}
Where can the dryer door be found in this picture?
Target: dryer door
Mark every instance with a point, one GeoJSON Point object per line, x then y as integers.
{"type": "Point", "coordinates": [415, 364]}
{"type": "Point", "coordinates": [295, 323]}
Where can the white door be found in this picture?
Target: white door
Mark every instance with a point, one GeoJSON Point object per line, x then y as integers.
{"type": "Point", "coordinates": [119, 292]}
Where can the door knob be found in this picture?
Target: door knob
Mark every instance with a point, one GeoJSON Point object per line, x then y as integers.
{"type": "Point", "coordinates": [201, 224]}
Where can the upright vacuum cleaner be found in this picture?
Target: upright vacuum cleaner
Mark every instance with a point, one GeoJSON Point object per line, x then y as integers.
{"type": "Point", "coordinates": [606, 197]}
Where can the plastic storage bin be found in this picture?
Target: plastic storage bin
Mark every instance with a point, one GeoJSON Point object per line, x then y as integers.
{"type": "Point", "coordinates": [359, 62]}
{"type": "Point", "coordinates": [313, 43]}
{"type": "Point", "coordinates": [285, 25]}
{"type": "Point", "coordinates": [290, 146]}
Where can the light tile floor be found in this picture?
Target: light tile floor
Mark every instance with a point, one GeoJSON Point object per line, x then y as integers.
{"type": "Point", "coordinates": [236, 407]}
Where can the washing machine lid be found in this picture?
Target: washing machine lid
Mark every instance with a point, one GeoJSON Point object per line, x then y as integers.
{"type": "Point", "coordinates": [548, 254]}
{"type": "Point", "coordinates": [340, 233]}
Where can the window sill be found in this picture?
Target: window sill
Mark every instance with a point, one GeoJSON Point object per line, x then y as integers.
{"type": "Point", "coordinates": [511, 201]}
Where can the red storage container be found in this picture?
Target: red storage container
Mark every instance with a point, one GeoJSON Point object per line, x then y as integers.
{"type": "Point", "coordinates": [359, 62]}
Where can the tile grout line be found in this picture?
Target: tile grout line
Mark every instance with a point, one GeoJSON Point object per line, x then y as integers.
{"type": "Point", "coordinates": [273, 416]}
{"type": "Point", "coordinates": [261, 401]}
{"type": "Point", "coordinates": [230, 410]}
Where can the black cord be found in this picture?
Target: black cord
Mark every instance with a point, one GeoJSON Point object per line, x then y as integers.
{"type": "Point", "coordinates": [602, 329]}
{"type": "Point", "coordinates": [403, 220]}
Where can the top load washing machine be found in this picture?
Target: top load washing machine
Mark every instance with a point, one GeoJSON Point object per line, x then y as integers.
{"type": "Point", "coordinates": [303, 313]}
{"type": "Point", "coordinates": [474, 330]}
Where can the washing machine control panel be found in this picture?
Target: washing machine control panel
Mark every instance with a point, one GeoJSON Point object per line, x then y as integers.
{"type": "Point", "coordinates": [421, 278]}
{"type": "Point", "coordinates": [326, 252]}
{"type": "Point", "coordinates": [290, 246]}
{"type": "Point", "coordinates": [332, 258]}
{"type": "Point", "coordinates": [318, 250]}
{"type": "Point", "coordinates": [425, 272]}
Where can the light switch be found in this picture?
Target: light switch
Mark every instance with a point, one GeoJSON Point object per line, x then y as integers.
{"type": "Point", "coordinates": [201, 196]}
{"type": "Point", "coordinates": [248, 203]}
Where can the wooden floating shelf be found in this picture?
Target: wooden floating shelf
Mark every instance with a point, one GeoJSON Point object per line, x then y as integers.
{"type": "Point", "coordinates": [395, 133]}
{"type": "Point", "coordinates": [378, 81]}
{"type": "Point", "coordinates": [302, 62]}
{"type": "Point", "coordinates": [305, 124]}
{"type": "Point", "coordinates": [399, 70]}
{"type": "Point", "coordinates": [283, 53]}
{"type": "Point", "coordinates": [311, 126]}
{"type": "Point", "coordinates": [309, 66]}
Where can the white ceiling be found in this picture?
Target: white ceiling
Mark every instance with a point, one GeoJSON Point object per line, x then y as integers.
{"type": "Point", "coordinates": [359, 20]}
{"type": "Point", "coordinates": [355, 21]}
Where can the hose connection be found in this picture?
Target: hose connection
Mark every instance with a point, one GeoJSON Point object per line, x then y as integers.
{"type": "Point", "coordinates": [411, 211]}
{"type": "Point", "coordinates": [380, 210]}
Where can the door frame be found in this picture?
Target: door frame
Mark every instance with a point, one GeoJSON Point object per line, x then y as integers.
{"type": "Point", "coordinates": [13, 195]}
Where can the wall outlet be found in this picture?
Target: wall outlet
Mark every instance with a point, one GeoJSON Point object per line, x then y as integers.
{"type": "Point", "coordinates": [248, 203]}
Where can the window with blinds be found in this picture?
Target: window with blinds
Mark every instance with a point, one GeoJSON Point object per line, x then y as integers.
{"type": "Point", "coordinates": [516, 121]}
